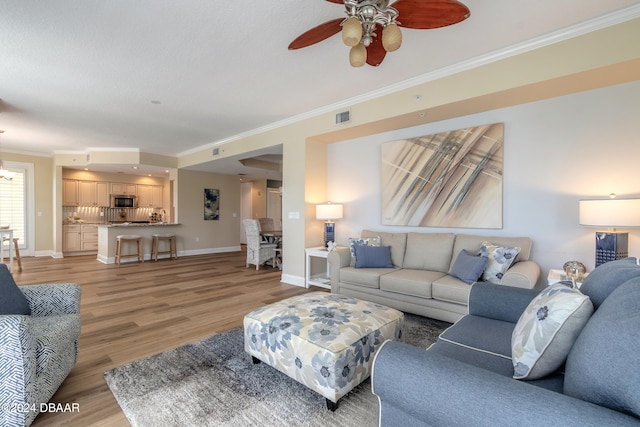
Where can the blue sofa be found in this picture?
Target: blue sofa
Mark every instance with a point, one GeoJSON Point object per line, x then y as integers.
{"type": "Point", "coordinates": [466, 377]}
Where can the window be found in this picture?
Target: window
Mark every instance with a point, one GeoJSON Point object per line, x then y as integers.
{"type": "Point", "coordinates": [14, 201]}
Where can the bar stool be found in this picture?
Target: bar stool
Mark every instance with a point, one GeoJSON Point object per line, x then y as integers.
{"type": "Point", "coordinates": [170, 238]}
{"type": "Point", "coordinates": [124, 238]}
{"type": "Point", "coordinates": [16, 253]}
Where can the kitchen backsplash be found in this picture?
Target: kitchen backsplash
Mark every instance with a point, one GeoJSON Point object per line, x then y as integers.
{"type": "Point", "coordinates": [92, 214]}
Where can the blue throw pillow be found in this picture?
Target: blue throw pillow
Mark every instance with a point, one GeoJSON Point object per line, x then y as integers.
{"type": "Point", "coordinates": [12, 300]}
{"type": "Point", "coordinates": [468, 267]}
{"type": "Point", "coordinates": [373, 256]}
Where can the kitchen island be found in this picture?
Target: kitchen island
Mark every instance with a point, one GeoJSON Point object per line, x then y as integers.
{"type": "Point", "coordinates": [107, 237]}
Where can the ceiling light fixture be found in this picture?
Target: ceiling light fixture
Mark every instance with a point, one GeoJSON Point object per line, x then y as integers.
{"type": "Point", "coordinates": [4, 174]}
{"type": "Point", "coordinates": [358, 30]}
{"type": "Point", "coordinates": [361, 29]}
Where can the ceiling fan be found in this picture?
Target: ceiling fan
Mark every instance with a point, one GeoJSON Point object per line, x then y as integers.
{"type": "Point", "coordinates": [364, 16]}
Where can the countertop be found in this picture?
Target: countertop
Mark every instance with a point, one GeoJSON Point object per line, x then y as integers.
{"type": "Point", "coordinates": [121, 224]}
{"type": "Point", "coordinates": [133, 224]}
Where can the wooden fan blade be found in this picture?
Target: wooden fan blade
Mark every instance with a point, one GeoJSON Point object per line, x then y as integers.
{"type": "Point", "coordinates": [427, 14]}
{"type": "Point", "coordinates": [317, 34]}
{"type": "Point", "coordinates": [336, 1]}
{"type": "Point", "coordinates": [376, 52]}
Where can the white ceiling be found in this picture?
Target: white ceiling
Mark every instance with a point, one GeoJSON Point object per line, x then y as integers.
{"type": "Point", "coordinates": [167, 77]}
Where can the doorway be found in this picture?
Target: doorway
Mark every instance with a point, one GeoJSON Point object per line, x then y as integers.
{"type": "Point", "coordinates": [274, 206]}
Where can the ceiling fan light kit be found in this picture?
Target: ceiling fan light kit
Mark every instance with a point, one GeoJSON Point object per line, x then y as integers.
{"type": "Point", "coordinates": [351, 31]}
{"type": "Point", "coordinates": [358, 55]}
{"type": "Point", "coordinates": [391, 37]}
{"type": "Point", "coordinates": [364, 18]}
{"type": "Point", "coordinates": [367, 15]}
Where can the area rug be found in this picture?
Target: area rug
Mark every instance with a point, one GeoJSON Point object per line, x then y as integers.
{"type": "Point", "coordinates": [213, 382]}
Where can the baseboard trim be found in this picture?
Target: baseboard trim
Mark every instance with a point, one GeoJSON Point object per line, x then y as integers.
{"type": "Point", "coordinates": [210, 251]}
{"type": "Point", "coordinates": [290, 279]}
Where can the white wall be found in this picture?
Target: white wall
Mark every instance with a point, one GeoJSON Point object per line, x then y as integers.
{"type": "Point", "coordinates": [556, 152]}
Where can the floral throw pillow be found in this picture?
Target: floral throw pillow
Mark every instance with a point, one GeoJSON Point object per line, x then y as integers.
{"type": "Point", "coordinates": [498, 262]}
{"type": "Point", "coordinates": [370, 241]}
{"type": "Point", "coordinates": [547, 330]}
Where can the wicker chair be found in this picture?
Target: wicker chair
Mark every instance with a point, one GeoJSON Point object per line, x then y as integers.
{"type": "Point", "coordinates": [37, 351]}
{"type": "Point", "coordinates": [258, 252]}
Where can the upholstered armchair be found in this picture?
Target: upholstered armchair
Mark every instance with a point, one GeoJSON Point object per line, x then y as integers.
{"type": "Point", "coordinates": [37, 349]}
{"type": "Point", "coordinates": [258, 252]}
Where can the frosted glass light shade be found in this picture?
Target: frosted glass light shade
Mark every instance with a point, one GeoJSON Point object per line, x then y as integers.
{"type": "Point", "coordinates": [391, 38]}
{"type": "Point", "coordinates": [358, 55]}
{"type": "Point", "coordinates": [329, 211]}
{"type": "Point", "coordinates": [351, 31]}
{"type": "Point", "coordinates": [5, 173]}
{"type": "Point", "coordinates": [610, 213]}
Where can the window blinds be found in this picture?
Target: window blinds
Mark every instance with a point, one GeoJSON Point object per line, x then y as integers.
{"type": "Point", "coordinates": [13, 203]}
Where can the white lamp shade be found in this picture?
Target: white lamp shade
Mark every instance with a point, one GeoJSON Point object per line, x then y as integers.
{"type": "Point", "coordinates": [328, 211]}
{"type": "Point", "coordinates": [610, 213]}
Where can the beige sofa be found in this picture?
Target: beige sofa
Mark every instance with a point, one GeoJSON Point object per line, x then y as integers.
{"type": "Point", "coordinates": [418, 283]}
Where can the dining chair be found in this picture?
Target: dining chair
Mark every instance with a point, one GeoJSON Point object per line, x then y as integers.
{"type": "Point", "coordinates": [267, 224]}
{"type": "Point", "coordinates": [258, 252]}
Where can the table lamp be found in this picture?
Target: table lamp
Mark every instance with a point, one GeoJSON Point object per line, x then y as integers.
{"type": "Point", "coordinates": [329, 212]}
{"type": "Point", "coordinates": [610, 213]}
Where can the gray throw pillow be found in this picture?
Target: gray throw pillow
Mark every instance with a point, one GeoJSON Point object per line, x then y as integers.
{"type": "Point", "coordinates": [373, 256]}
{"type": "Point", "coordinates": [12, 300]}
{"type": "Point", "coordinates": [468, 267]}
{"type": "Point", "coordinates": [607, 277]}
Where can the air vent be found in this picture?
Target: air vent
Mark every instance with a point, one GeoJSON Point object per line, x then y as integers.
{"type": "Point", "coordinates": [216, 151]}
{"type": "Point", "coordinates": [343, 117]}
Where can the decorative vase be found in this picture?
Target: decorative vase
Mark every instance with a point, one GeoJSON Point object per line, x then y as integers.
{"type": "Point", "coordinates": [575, 270]}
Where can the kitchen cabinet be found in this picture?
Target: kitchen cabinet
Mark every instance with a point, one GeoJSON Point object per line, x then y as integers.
{"type": "Point", "coordinates": [71, 238]}
{"type": "Point", "coordinates": [92, 193]}
{"type": "Point", "coordinates": [89, 237]}
{"type": "Point", "coordinates": [103, 196]}
{"type": "Point", "coordinates": [149, 196]}
{"type": "Point", "coordinates": [69, 192]}
{"type": "Point", "coordinates": [122, 188]}
{"type": "Point", "coordinates": [80, 238]}
{"type": "Point", "coordinates": [156, 196]}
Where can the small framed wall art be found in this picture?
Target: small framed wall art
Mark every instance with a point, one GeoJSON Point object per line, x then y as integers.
{"type": "Point", "coordinates": [211, 204]}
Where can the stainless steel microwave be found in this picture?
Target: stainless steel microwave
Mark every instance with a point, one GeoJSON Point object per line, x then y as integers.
{"type": "Point", "coordinates": [123, 201]}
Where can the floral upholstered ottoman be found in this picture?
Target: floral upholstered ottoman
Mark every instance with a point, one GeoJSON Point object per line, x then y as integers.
{"type": "Point", "coordinates": [324, 341]}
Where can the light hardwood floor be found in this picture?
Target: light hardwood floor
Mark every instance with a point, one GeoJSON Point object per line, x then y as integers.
{"type": "Point", "coordinates": [137, 310]}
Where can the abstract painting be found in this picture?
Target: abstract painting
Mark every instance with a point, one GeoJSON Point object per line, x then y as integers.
{"type": "Point", "coordinates": [448, 179]}
{"type": "Point", "coordinates": [211, 204]}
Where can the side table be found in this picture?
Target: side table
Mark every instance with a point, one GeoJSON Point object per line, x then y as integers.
{"type": "Point", "coordinates": [557, 275]}
{"type": "Point", "coordinates": [314, 278]}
